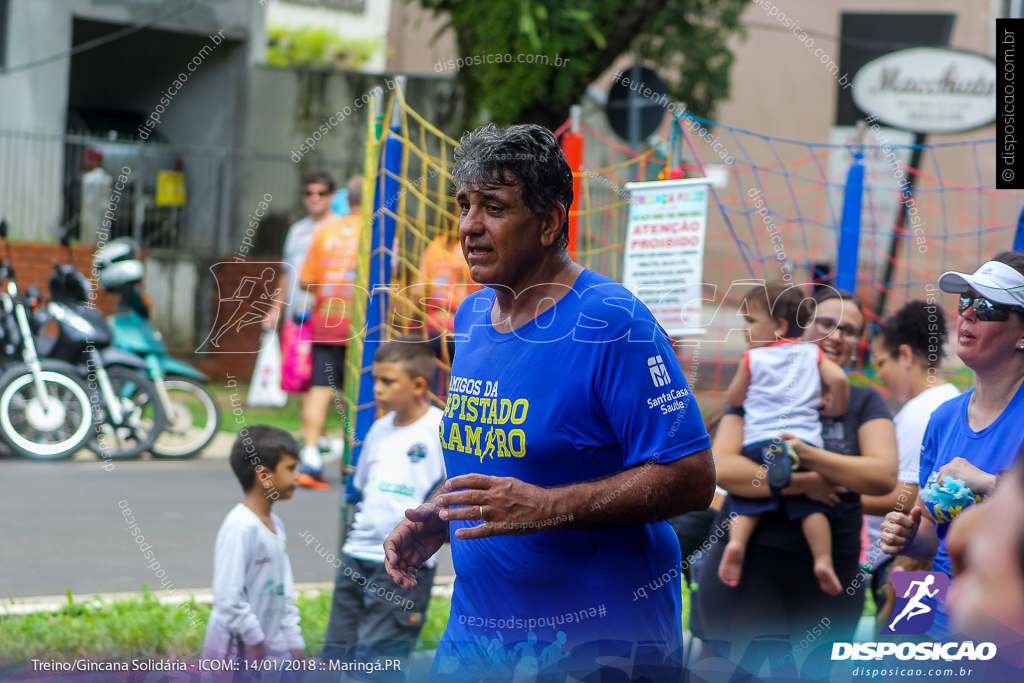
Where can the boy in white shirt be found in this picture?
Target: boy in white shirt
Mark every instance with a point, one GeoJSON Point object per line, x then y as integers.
{"type": "Point", "coordinates": [401, 465]}
{"type": "Point", "coordinates": [782, 384]}
{"type": "Point", "coordinates": [254, 616]}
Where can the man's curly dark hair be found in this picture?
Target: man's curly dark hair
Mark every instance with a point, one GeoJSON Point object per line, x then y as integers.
{"type": "Point", "coordinates": [527, 156]}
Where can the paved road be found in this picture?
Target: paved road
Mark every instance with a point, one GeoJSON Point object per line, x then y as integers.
{"type": "Point", "coordinates": [62, 527]}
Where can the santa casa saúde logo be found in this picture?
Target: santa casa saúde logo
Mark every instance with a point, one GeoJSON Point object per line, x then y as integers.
{"type": "Point", "coordinates": [917, 596]}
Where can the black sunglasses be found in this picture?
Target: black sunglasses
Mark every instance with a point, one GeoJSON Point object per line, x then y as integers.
{"type": "Point", "coordinates": [986, 310]}
{"type": "Point", "coordinates": [312, 193]}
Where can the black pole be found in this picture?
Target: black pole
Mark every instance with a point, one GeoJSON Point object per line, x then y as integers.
{"type": "Point", "coordinates": [900, 230]}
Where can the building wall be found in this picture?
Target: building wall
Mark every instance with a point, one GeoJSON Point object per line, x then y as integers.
{"type": "Point", "coordinates": [39, 29]}
{"type": "Point", "coordinates": [33, 263]}
{"type": "Point", "coordinates": [290, 106]}
{"type": "Point", "coordinates": [130, 73]}
{"type": "Point", "coordinates": [34, 32]}
{"type": "Point", "coordinates": [793, 96]}
{"type": "Point", "coordinates": [414, 44]}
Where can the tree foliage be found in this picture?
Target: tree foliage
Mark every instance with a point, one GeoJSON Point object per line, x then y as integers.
{"type": "Point", "coordinates": [509, 50]}
{"type": "Point", "coordinates": [309, 46]}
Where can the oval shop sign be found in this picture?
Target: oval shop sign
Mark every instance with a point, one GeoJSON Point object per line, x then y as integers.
{"type": "Point", "coordinates": [929, 90]}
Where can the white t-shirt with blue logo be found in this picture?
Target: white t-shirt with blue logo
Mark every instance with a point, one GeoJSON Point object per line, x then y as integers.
{"type": "Point", "coordinates": [398, 469]}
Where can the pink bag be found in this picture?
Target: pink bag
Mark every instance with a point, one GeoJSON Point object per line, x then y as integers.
{"type": "Point", "coordinates": [297, 355]}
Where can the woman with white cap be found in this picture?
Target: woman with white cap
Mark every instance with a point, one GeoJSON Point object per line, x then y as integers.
{"type": "Point", "coordinates": [975, 436]}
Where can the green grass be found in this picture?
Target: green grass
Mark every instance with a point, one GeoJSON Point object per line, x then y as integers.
{"type": "Point", "coordinates": [144, 628]}
{"type": "Point", "coordinates": [962, 378]}
{"type": "Point", "coordinates": [288, 418]}
{"type": "Point", "coordinates": [433, 627]}
{"type": "Point", "coordinates": [123, 629]}
{"type": "Point", "coordinates": [870, 608]}
{"type": "Point", "coordinates": [686, 605]}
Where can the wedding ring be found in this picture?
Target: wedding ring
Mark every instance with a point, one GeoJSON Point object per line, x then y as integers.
{"type": "Point", "coordinates": [481, 511]}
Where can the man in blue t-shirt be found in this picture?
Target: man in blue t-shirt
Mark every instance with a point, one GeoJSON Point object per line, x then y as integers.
{"type": "Point", "coordinates": [570, 436]}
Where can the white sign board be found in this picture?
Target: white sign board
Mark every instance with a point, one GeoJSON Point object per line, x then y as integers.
{"type": "Point", "coordinates": [886, 152]}
{"type": "Point", "coordinates": [664, 254]}
{"type": "Point", "coordinates": [929, 90]}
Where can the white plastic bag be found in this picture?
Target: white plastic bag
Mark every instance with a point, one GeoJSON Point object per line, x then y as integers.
{"type": "Point", "coordinates": [265, 388]}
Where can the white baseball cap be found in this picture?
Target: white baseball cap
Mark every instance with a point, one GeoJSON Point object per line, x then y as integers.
{"type": "Point", "coordinates": [994, 280]}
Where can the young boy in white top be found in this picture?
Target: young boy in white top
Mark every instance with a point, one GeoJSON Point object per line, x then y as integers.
{"type": "Point", "coordinates": [782, 384]}
{"type": "Point", "coordinates": [254, 615]}
{"type": "Point", "coordinates": [400, 466]}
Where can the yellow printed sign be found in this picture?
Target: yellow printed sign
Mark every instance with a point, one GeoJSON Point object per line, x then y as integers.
{"type": "Point", "coordinates": [170, 188]}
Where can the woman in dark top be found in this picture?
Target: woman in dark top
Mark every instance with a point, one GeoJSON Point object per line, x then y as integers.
{"type": "Point", "coordinates": [778, 611]}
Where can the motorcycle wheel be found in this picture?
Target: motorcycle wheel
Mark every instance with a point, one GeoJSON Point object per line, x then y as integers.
{"type": "Point", "coordinates": [143, 417]}
{"type": "Point", "coordinates": [192, 420]}
{"type": "Point", "coordinates": [44, 429]}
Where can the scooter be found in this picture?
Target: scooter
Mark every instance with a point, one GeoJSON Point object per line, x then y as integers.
{"type": "Point", "coordinates": [44, 406]}
{"type": "Point", "coordinates": [193, 415]}
{"type": "Point", "coordinates": [132, 417]}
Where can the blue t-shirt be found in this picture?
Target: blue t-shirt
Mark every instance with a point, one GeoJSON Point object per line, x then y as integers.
{"type": "Point", "coordinates": [991, 450]}
{"type": "Point", "coordinates": [589, 388]}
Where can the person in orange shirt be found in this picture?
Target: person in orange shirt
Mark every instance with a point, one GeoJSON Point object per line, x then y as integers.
{"type": "Point", "coordinates": [328, 276]}
{"type": "Point", "coordinates": [445, 282]}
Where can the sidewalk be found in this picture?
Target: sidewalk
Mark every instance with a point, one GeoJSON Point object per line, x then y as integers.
{"type": "Point", "coordinates": [443, 586]}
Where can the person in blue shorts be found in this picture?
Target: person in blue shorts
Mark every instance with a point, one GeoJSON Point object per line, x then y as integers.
{"type": "Point", "coordinates": [569, 435]}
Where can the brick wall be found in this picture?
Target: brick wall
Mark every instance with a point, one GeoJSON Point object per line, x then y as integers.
{"type": "Point", "coordinates": [33, 266]}
{"type": "Point", "coordinates": [236, 351]}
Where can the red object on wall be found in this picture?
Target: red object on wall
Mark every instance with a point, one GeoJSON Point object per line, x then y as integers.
{"type": "Point", "coordinates": [572, 146]}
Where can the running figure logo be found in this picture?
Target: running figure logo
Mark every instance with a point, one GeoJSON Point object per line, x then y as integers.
{"type": "Point", "coordinates": [253, 297]}
{"type": "Point", "coordinates": [659, 373]}
{"type": "Point", "coordinates": [916, 596]}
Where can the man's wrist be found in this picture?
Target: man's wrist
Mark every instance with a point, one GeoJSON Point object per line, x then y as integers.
{"type": "Point", "coordinates": [559, 506]}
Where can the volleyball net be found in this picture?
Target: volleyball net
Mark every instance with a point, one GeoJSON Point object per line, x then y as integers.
{"type": "Point", "coordinates": [778, 209]}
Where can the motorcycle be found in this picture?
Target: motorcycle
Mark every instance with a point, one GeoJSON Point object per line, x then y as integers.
{"type": "Point", "coordinates": [193, 414]}
{"type": "Point", "coordinates": [44, 407]}
{"type": "Point", "coordinates": [131, 417]}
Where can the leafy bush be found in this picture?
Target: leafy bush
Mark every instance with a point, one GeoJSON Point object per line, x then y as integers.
{"type": "Point", "coordinates": [308, 46]}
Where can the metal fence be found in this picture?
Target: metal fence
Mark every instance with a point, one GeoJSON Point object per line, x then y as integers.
{"type": "Point", "coordinates": [169, 197]}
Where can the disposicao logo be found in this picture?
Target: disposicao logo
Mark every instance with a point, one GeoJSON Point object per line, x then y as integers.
{"type": "Point", "coordinates": [917, 596]}
{"type": "Point", "coordinates": [947, 652]}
